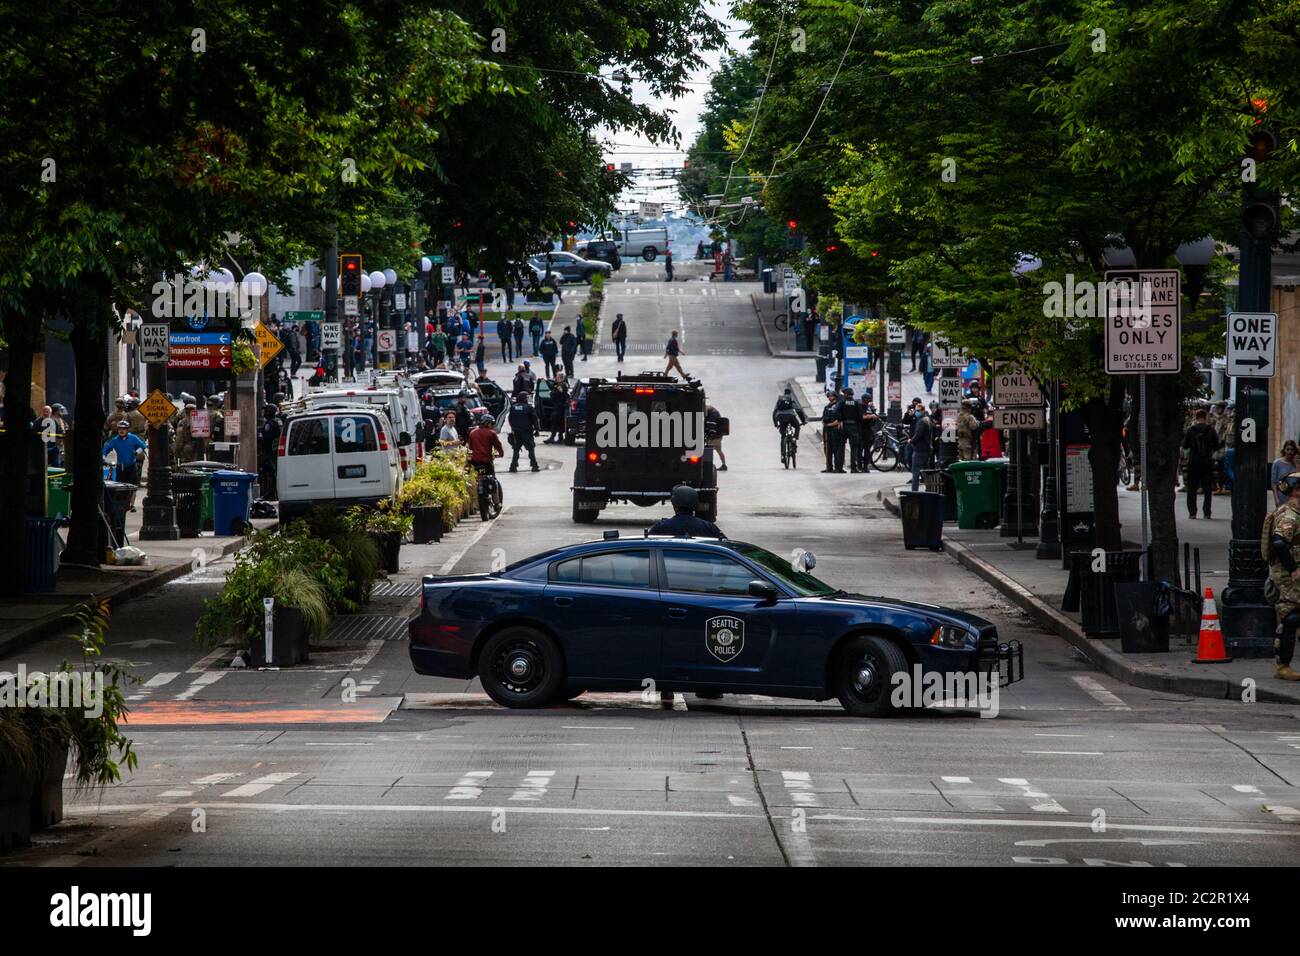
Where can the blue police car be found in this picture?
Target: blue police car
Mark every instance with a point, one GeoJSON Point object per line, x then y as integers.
{"type": "Point", "coordinates": [698, 615]}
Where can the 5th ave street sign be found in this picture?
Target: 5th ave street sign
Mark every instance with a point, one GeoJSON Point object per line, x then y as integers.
{"type": "Point", "coordinates": [1252, 344]}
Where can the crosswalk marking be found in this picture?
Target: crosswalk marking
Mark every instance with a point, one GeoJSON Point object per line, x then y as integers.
{"type": "Point", "coordinates": [799, 785]}
{"type": "Point", "coordinates": [470, 786]}
{"type": "Point", "coordinates": [1246, 788]}
{"type": "Point", "coordinates": [213, 778]}
{"type": "Point", "coordinates": [534, 786]}
{"type": "Point", "coordinates": [1045, 804]}
{"type": "Point", "coordinates": [260, 785]}
{"type": "Point", "coordinates": [1100, 694]}
{"type": "Point", "coordinates": [158, 680]}
{"type": "Point", "coordinates": [206, 679]}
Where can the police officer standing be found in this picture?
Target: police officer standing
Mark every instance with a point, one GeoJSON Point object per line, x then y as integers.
{"type": "Point", "coordinates": [685, 523]}
{"type": "Point", "coordinates": [268, 443]}
{"type": "Point", "coordinates": [831, 434]}
{"type": "Point", "coordinates": [524, 425]}
{"type": "Point", "coordinates": [850, 413]}
{"type": "Point", "coordinates": [1282, 544]}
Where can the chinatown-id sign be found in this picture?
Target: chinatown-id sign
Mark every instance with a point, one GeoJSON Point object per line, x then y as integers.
{"type": "Point", "coordinates": [1143, 321]}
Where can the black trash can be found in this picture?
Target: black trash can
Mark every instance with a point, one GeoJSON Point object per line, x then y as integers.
{"type": "Point", "coordinates": [939, 482]}
{"type": "Point", "coordinates": [1142, 628]}
{"type": "Point", "coordinates": [187, 490]}
{"type": "Point", "coordinates": [922, 514]}
{"type": "Point", "coordinates": [118, 498]}
{"type": "Point", "coordinates": [1092, 593]}
{"type": "Point", "coordinates": [42, 555]}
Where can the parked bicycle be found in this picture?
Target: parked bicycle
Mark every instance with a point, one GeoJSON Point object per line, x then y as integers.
{"type": "Point", "coordinates": [887, 447]}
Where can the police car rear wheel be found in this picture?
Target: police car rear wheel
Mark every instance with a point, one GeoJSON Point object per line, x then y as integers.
{"type": "Point", "coordinates": [520, 667]}
{"type": "Point", "coordinates": [861, 677]}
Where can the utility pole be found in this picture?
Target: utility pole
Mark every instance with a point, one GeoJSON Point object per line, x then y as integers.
{"type": "Point", "coordinates": [330, 359]}
{"type": "Point", "coordinates": [159, 506]}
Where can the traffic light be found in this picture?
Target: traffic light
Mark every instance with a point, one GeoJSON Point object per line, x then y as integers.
{"type": "Point", "coordinates": [1259, 212]}
{"type": "Point", "coordinates": [350, 274]}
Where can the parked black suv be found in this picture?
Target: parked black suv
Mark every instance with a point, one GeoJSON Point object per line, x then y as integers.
{"type": "Point", "coordinates": [603, 250]}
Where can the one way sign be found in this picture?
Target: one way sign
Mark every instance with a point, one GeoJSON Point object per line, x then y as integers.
{"type": "Point", "coordinates": [1252, 344]}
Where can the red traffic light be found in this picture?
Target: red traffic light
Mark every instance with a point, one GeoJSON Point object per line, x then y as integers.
{"type": "Point", "coordinates": [832, 247]}
{"type": "Point", "coordinates": [792, 224]}
{"type": "Point", "coordinates": [686, 164]}
{"type": "Point", "coordinates": [609, 167]}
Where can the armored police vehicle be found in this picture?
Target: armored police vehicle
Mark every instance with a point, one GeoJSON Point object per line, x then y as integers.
{"type": "Point", "coordinates": [645, 433]}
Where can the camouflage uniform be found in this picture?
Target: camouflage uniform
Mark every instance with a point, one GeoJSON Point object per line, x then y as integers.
{"type": "Point", "coordinates": [966, 428]}
{"type": "Point", "coordinates": [139, 424]}
{"type": "Point", "coordinates": [1286, 525]}
{"type": "Point", "coordinates": [184, 440]}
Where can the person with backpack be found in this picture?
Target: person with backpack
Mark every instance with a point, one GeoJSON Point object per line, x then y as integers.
{"type": "Point", "coordinates": [1201, 444]}
{"type": "Point", "coordinates": [1280, 545]}
{"type": "Point", "coordinates": [524, 425]}
{"type": "Point", "coordinates": [536, 327]}
{"type": "Point", "coordinates": [618, 332]}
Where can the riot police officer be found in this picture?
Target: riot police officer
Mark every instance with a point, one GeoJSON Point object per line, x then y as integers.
{"type": "Point", "coordinates": [1283, 548]}
{"type": "Point", "coordinates": [524, 426]}
{"type": "Point", "coordinates": [685, 523]}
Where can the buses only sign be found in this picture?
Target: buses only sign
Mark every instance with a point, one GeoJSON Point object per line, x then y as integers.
{"type": "Point", "coordinates": [1143, 321]}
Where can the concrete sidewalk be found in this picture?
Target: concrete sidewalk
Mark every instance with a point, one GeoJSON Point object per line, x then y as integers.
{"type": "Point", "coordinates": [30, 617]}
{"type": "Point", "coordinates": [779, 344]}
{"type": "Point", "coordinates": [1038, 586]}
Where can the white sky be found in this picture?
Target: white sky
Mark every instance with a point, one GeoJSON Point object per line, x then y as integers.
{"type": "Point", "coordinates": [638, 151]}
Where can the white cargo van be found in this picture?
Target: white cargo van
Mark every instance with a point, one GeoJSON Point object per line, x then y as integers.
{"type": "Point", "coordinates": [648, 243]}
{"type": "Point", "coordinates": [341, 456]}
{"type": "Point", "coordinates": [405, 415]}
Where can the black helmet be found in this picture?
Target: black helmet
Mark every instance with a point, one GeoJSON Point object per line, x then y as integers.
{"type": "Point", "coordinates": [686, 498]}
{"type": "Point", "coordinates": [1290, 483]}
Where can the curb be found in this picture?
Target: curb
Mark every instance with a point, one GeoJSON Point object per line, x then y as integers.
{"type": "Point", "coordinates": [57, 619]}
{"type": "Point", "coordinates": [775, 352]}
{"type": "Point", "coordinates": [1097, 653]}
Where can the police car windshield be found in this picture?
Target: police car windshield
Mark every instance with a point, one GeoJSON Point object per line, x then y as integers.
{"type": "Point", "coordinates": [800, 582]}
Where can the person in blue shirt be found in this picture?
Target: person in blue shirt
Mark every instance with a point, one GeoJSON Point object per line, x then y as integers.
{"type": "Point", "coordinates": [125, 444]}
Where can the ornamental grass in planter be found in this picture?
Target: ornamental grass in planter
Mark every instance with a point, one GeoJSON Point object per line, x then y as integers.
{"type": "Point", "coordinates": [387, 524]}
{"type": "Point", "coordinates": [446, 482]}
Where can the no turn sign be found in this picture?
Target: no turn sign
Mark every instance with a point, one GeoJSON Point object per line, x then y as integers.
{"type": "Point", "coordinates": [1252, 344]}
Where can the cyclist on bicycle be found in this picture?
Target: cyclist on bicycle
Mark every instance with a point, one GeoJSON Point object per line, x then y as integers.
{"type": "Point", "coordinates": [788, 412]}
{"type": "Point", "coordinates": [484, 445]}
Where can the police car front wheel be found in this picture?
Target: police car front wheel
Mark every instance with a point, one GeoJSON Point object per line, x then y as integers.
{"type": "Point", "coordinates": [521, 667]}
{"type": "Point", "coordinates": [862, 675]}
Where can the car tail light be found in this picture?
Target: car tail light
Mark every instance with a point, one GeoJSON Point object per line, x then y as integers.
{"type": "Point", "coordinates": [592, 456]}
{"type": "Point", "coordinates": [643, 391]}
{"type": "Point", "coordinates": [284, 437]}
{"type": "Point", "coordinates": [383, 440]}
{"type": "Point", "coordinates": [401, 454]}
{"type": "Point", "coordinates": [693, 459]}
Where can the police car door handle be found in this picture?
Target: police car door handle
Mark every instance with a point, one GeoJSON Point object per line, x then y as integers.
{"type": "Point", "coordinates": [677, 612]}
{"type": "Point", "coordinates": [563, 601]}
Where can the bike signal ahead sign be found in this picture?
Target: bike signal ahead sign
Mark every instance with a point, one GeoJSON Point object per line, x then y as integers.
{"type": "Point", "coordinates": [157, 408]}
{"type": "Point", "coordinates": [1252, 344]}
{"type": "Point", "coordinates": [1143, 321]}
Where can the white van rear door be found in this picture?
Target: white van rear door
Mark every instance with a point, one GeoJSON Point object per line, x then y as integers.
{"type": "Point", "coordinates": [360, 468]}
{"type": "Point", "coordinates": [306, 473]}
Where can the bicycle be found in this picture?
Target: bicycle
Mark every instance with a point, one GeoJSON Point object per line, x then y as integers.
{"type": "Point", "coordinates": [782, 322]}
{"type": "Point", "coordinates": [1124, 472]}
{"type": "Point", "coordinates": [489, 495]}
{"type": "Point", "coordinates": [886, 448]}
{"type": "Point", "coordinates": [789, 446]}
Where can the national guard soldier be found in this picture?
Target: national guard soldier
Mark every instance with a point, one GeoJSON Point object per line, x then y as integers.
{"type": "Point", "coordinates": [967, 426]}
{"type": "Point", "coordinates": [119, 413]}
{"type": "Point", "coordinates": [139, 424]}
{"type": "Point", "coordinates": [1280, 543]}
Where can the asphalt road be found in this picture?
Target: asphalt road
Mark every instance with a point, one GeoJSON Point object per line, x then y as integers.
{"type": "Point", "coordinates": [352, 759]}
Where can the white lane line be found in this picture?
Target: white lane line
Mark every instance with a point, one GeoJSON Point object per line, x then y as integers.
{"type": "Point", "coordinates": [1068, 825]}
{"type": "Point", "coordinates": [93, 810]}
{"type": "Point", "coordinates": [955, 779]}
{"type": "Point", "coordinates": [212, 778]}
{"type": "Point", "coordinates": [203, 663]}
{"type": "Point", "coordinates": [260, 785]}
{"type": "Point", "coordinates": [176, 793]}
{"type": "Point", "coordinates": [736, 800]}
{"type": "Point", "coordinates": [796, 748]}
{"type": "Point", "coordinates": [799, 785]}
{"type": "Point", "coordinates": [474, 539]}
{"type": "Point", "coordinates": [972, 801]}
{"type": "Point", "coordinates": [470, 786]}
{"type": "Point", "coordinates": [594, 727]}
{"type": "Point", "coordinates": [1060, 735]}
{"type": "Point", "coordinates": [534, 786]}
{"type": "Point", "coordinates": [1247, 788]}
{"type": "Point", "coordinates": [1100, 694]}
{"type": "Point", "coordinates": [1067, 753]}
{"type": "Point", "coordinates": [205, 679]}
{"type": "Point", "coordinates": [1045, 803]}
{"type": "Point", "coordinates": [1286, 814]}
{"type": "Point", "coordinates": [158, 680]}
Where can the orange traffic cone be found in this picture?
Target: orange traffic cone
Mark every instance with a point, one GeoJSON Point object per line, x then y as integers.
{"type": "Point", "coordinates": [1210, 649]}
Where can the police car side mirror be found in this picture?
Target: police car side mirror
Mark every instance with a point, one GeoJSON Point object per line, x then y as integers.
{"type": "Point", "coordinates": [807, 560]}
{"type": "Point", "coordinates": [763, 590]}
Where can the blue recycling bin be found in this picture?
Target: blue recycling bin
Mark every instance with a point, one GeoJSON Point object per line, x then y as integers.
{"type": "Point", "coordinates": [232, 498]}
{"type": "Point", "coordinates": [42, 554]}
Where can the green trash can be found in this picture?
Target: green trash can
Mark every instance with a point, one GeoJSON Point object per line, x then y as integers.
{"type": "Point", "coordinates": [58, 503]}
{"type": "Point", "coordinates": [978, 493]}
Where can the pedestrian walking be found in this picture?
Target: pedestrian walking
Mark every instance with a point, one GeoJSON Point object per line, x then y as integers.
{"type": "Point", "coordinates": [618, 332]}
{"type": "Point", "coordinates": [480, 355]}
{"type": "Point", "coordinates": [549, 349]}
{"type": "Point", "coordinates": [927, 369]}
{"type": "Point", "coordinates": [728, 266]}
{"type": "Point", "coordinates": [517, 330]}
{"type": "Point", "coordinates": [505, 332]}
{"type": "Point", "coordinates": [713, 434]}
{"type": "Point", "coordinates": [568, 349]}
{"type": "Point", "coordinates": [673, 351]}
{"type": "Point", "coordinates": [922, 445]}
{"type": "Point", "coordinates": [584, 343]}
{"type": "Point", "coordinates": [668, 265]}
{"type": "Point", "coordinates": [535, 329]}
{"type": "Point", "coordinates": [1200, 443]}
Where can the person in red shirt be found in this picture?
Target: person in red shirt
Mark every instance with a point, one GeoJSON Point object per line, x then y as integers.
{"type": "Point", "coordinates": [484, 445]}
